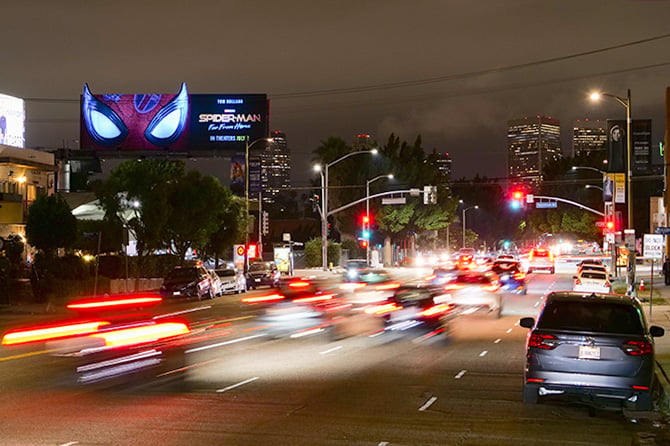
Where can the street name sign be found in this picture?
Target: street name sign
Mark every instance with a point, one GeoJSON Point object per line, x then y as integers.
{"type": "Point", "coordinates": [546, 204]}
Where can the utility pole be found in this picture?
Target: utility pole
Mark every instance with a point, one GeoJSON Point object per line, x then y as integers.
{"type": "Point", "coordinates": [666, 163]}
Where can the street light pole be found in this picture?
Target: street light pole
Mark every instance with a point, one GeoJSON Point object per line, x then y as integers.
{"type": "Point", "coordinates": [247, 147]}
{"type": "Point", "coordinates": [367, 208]}
{"type": "Point", "coordinates": [324, 202]}
{"type": "Point", "coordinates": [463, 218]}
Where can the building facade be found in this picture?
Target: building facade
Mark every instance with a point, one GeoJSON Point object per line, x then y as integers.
{"type": "Point", "coordinates": [24, 174]}
{"type": "Point", "coordinates": [276, 167]}
{"type": "Point", "coordinates": [531, 144]}
{"type": "Point", "coordinates": [589, 138]}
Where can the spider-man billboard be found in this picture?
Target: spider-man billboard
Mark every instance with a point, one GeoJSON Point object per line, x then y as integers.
{"type": "Point", "coordinates": [176, 122]}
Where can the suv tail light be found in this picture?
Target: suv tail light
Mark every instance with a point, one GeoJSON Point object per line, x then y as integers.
{"type": "Point", "coordinates": [545, 342]}
{"type": "Point", "coordinates": [578, 282]}
{"type": "Point", "coordinates": [519, 276]}
{"type": "Point", "coordinates": [638, 348]}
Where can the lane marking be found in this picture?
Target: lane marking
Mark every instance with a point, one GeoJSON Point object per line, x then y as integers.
{"type": "Point", "coordinates": [509, 331]}
{"type": "Point", "coordinates": [428, 403]}
{"type": "Point", "coordinates": [497, 341]}
{"type": "Point", "coordinates": [234, 386]}
{"type": "Point", "coordinates": [221, 344]}
{"type": "Point", "coordinates": [483, 353]}
{"type": "Point", "coordinates": [70, 443]}
{"type": "Point", "coordinates": [460, 374]}
{"type": "Point", "coordinates": [330, 350]}
{"type": "Point", "coordinates": [383, 443]}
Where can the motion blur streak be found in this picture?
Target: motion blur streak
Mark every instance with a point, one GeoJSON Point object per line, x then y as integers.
{"type": "Point", "coordinates": [54, 332]}
{"type": "Point", "coordinates": [136, 335]}
{"type": "Point", "coordinates": [221, 344]}
{"type": "Point", "coordinates": [388, 286]}
{"type": "Point", "coordinates": [317, 298]}
{"type": "Point", "coordinates": [266, 298]}
{"type": "Point", "coordinates": [114, 303]}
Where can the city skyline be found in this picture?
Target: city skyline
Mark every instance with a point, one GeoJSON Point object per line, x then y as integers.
{"type": "Point", "coordinates": [452, 72]}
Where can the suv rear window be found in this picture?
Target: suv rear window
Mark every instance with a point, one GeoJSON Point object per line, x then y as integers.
{"type": "Point", "coordinates": [590, 316]}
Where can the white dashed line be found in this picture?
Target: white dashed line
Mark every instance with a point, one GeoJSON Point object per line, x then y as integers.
{"type": "Point", "coordinates": [330, 350]}
{"type": "Point", "coordinates": [509, 331]}
{"type": "Point", "coordinates": [383, 443]}
{"type": "Point", "coordinates": [497, 341]}
{"type": "Point", "coordinates": [460, 374]}
{"type": "Point", "coordinates": [221, 344]}
{"type": "Point", "coordinates": [246, 381]}
{"type": "Point", "coordinates": [428, 403]}
{"type": "Point", "coordinates": [483, 353]}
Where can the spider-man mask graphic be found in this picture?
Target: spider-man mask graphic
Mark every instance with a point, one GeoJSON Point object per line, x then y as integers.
{"type": "Point", "coordinates": [134, 122]}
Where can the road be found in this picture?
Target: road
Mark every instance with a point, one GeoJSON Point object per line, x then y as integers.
{"type": "Point", "coordinates": [371, 389]}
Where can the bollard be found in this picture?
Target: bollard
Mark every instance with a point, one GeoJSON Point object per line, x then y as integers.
{"type": "Point", "coordinates": [641, 285]}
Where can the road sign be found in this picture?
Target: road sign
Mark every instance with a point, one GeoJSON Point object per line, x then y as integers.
{"type": "Point", "coordinates": [664, 230]}
{"type": "Point", "coordinates": [397, 200]}
{"type": "Point", "coordinates": [546, 204]}
{"type": "Point", "coordinates": [653, 246]}
{"type": "Point", "coordinates": [530, 198]}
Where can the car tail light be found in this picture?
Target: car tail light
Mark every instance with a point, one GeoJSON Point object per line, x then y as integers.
{"type": "Point", "coordinates": [492, 287]}
{"type": "Point", "coordinates": [351, 286]}
{"type": "Point", "coordinates": [387, 286]}
{"type": "Point", "coordinates": [607, 284]}
{"type": "Point", "coordinates": [265, 298]}
{"type": "Point", "coordinates": [52, 332]}
{"type": "Point", "coordinates": [314, 298]}
{"type": "Point", "coordinates": [638, 348]}
{"type": "Point", "coordinates": [543, 341]}
{"type": "Point", "coordinates": [435, 310]}
{"type": "Point", "coordinates": [297, 284]}
{"type": "Point", "coordinates": [452, 287]}
{"type": "Point", "coordinates": [578, 281]}
{"type": "Point", "coordinates": [383, 309]}
{"type": "Point", "coordinates": [142, 334]}
{"type": "Point", "coordinates": [116, 302]}
{"type": "Point", "coordinates": [519, 276]}
{"type": "Point", "coordinates": [429, 278]}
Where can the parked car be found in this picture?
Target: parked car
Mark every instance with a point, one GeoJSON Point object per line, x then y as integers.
{"type": "Point", "coordinates": [263, 274]}
{"type": "Point", "coordinates": [189, 281]}
{"type": "Point", "coordinates": [541, 259]}
{"type": "Point", "coordinates": [232, 280]}
{"type": "Point", "coordinates": [216, 282]}
{"type": "Point", "coordinates": [592, 346]}
{"type": "Point", "coordinates": [592, 280]}
{"type": "Point", "coordinates": [511, 275]}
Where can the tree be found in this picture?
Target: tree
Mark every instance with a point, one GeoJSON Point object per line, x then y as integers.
{"type": "Point", "coordinates": [50, 224]}
{"type": "Point", "coordinates": [231, 227]}
{"type": "Point", "coordinates": [196, 203]}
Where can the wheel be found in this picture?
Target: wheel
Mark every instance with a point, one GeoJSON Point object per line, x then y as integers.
{"type": "Point", "coordinates": [530, 395]}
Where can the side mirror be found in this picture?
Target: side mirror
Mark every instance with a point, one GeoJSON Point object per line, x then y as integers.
{"type": "Point", "coordinates": [528, 322]}
{"type": "Point", "coordinates": [656, 331]}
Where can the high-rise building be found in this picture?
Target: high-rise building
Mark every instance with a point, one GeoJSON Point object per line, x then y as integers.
{"type": "Point", "coordinates": [276, 167]}
{"type": "Point", "coordinates": [589, 138]}
{"type": "Point", "coordinates": [531, 144]}
{"type": "Point", "coordinates": [443, 162]}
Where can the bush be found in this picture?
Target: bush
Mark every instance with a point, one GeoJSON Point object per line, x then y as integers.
{"type": "Point", "coordinates": [313, 256]}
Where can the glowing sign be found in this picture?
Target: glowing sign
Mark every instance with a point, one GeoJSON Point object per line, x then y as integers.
{"type": "Point", "coordinates": [12, 121]}
{"type": "Point", "coordinates": [172, 122]}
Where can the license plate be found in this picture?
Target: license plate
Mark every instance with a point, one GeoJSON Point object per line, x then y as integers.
{"type": "Point", "coordinates": [258, 280]}
{"type": "Point", "coordinates": [586, 352]}
{"type": "Point", "coordinates": [176, 293]}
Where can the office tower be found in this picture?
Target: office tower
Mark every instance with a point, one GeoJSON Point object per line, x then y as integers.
{"type": "Point", "coordinates": [531, 144]}
{"type": "Point", "coordinates": [589, 138]}
{"type": "Point", "coordinates": [276, 172]}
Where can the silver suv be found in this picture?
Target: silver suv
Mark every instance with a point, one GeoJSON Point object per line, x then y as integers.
{"type": "Point", "coordinates": [596, 347]}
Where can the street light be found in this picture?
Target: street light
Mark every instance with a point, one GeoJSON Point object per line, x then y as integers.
{"type": "Point", "coordinates": [595, 96]}
{"type": "Point", "coordinates": [601, 172]}
{"type": "Point", "coordinates": [591, 186]}
{"type": "Point", "coordinates": [463, 218]}
{"type": "Point", "coordinates": [367, 206]}
{"type": "Point", "coordinates": [247, 147]}
{"type": "Point", "coordinates": [324, 200]}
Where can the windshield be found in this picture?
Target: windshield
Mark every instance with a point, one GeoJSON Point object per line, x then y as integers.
{"type": "Point", "coordinates": [256, 267]}
{"type": "Point", "coordinates": [225, 272]}
{"type": "Point", "coordinates": [182, 275]}
{"type": "Point", "coordinates": [590, 316]}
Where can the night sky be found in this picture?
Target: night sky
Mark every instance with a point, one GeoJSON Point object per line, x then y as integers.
{"type": "Point", "coordinates": [453, 71]}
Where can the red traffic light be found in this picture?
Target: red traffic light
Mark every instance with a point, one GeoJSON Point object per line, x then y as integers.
{"type": "Point", "coordinates": [517, 195]}
{"type": "Point", "coordinates": [609, 225]}
{"type": "Point", "coordinates": [365, 219]}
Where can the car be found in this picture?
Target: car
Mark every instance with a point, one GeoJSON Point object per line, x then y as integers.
{"type": "Point", "coordinates": [592, 280]}
{"type": "Point", "coordinates": [475, 290]}
{"type": "Point", "coordinates": [541, 259]}
{"type": "Point", "coordinates": [416, 306]}
{"type": "Point", "coordinates": [232, 280]}
{"type": "Point", "coordinates": [506, 257]}
{"type": "Point", "coordinates": [263, 274]}
{"type": "Point", "coordinates": [466, 258]}
{"type": "Point", "coordinates": [353, 269]}
{"type": "Point", "coordinates": [442, 275]}
{"type": "Point", "coordinates": [189, 281]}
{"type": "Point", "coordinates": [373, 286]}
{"type": "Point", "coordinates": [216, 282]}
{"type": "Point", "coordinates": [511, 275]}
{"type": "Point", "coordinates": [592, 346]}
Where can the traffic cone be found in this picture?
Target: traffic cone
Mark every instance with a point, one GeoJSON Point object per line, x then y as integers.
{"type": "Point", "coordinates": [641, 285]}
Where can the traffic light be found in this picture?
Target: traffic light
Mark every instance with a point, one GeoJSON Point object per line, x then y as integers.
{"type": "Point", "coordinates": [517, 198]}
{"type": "Point", "coordinates": [365, 220]}
{"type": "Point", "coordinates": [363, 243]}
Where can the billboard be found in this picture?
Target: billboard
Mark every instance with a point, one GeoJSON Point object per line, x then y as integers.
{"type": "Point", "coordinates": [641, 143]}
{"type": "Point", "coordinates": [12, 121]}
{"type": "Point", "coordinates": [172, 122]}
